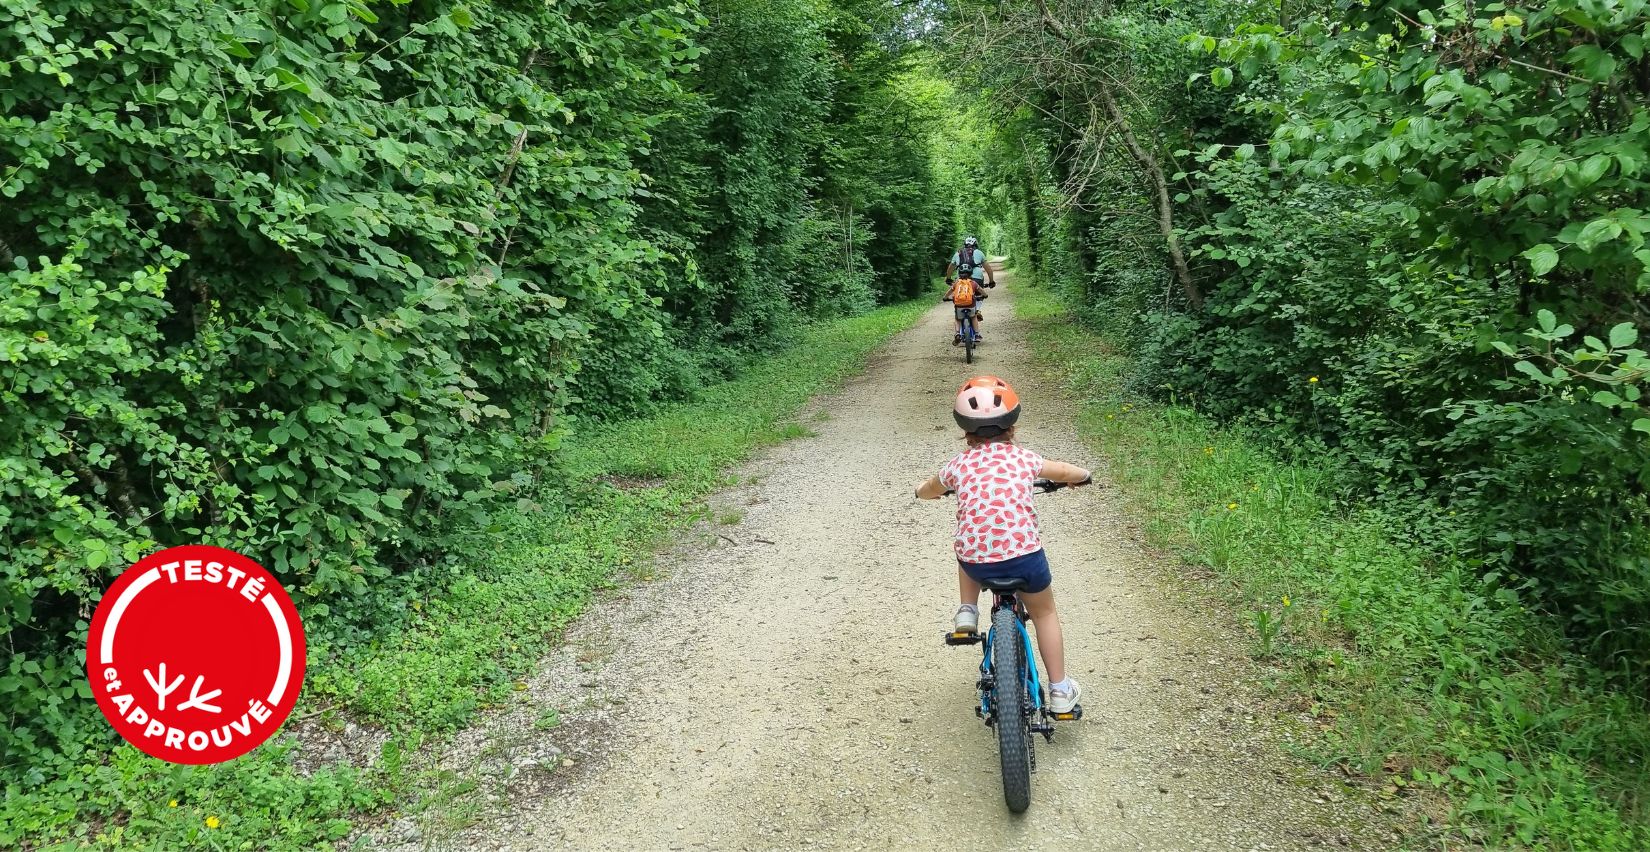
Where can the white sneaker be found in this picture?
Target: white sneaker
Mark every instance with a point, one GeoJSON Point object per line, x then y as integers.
{"type": "Point", "coordinates": [1061, 701]}
{"type": "Point", "coordinates": [967, 620]}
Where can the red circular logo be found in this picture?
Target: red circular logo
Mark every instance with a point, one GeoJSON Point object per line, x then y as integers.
{"type": "Point", "coordinates": [196, 654]}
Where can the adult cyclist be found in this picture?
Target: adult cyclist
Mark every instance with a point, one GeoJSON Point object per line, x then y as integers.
{"type": "Point", "coordinates": [969, 262]}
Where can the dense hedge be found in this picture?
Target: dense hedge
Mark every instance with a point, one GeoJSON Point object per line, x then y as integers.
{"type": "Point", "coordinates": [317, 280]}
{"type": "Point", "coordinates": [1415, 235]}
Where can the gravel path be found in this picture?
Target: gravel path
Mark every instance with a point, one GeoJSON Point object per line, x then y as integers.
{"type": "Point", "coordinates": [781, 683]}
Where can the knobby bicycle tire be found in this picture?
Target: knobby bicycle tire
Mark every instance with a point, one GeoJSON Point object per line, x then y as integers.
{"type": "Point", "coordinates": [968, 339]}
{"type": "Point", "coordinates": [1008, 700]}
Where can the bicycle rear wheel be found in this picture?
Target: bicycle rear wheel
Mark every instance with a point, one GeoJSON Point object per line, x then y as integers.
{"type": "Point", "coordinates": [968, 339]}
{"type": "Point", "coordinates": [1008, 700]}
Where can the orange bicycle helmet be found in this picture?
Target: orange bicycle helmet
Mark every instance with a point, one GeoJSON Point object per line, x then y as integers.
{"type": "Point", "coordinates": [986, 406]}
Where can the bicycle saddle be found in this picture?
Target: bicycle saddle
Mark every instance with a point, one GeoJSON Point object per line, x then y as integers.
{"type": "Point", "coordinates": [1004, 584]}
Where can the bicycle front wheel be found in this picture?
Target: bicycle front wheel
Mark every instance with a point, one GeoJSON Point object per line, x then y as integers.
{"type": "Point", "coordinates": [1008, 699]}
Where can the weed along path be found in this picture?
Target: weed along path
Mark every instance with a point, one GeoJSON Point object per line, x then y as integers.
{"type": "Point", "coordinates": [780, 682]}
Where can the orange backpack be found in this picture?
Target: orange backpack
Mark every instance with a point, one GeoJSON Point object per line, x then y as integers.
{"type": "Point", "coordinates": [962, 293]}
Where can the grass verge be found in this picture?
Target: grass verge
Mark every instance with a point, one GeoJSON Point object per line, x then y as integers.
{"type": "Point", "coordinates": [1418, 671]}
{"type": "Point", "coordinates": [454, 644]}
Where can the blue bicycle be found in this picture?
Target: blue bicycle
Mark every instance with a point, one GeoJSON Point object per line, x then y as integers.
{"type": "Point", "coordinates": [969, 334]}
{"type": "Point", "coordinates": [1012, 699]}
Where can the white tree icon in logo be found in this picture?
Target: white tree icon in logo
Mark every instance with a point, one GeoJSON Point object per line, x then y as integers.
{"type": "Point", "coordinates": [197, 700]}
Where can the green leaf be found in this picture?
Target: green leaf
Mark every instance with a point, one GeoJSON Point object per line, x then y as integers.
{"type": "Point", "coordinates": [1607, 399]}
{"type": "Point", "coordinates": [1529, 368]}
{"type": "Point", "coordinates": [1221, 77]}
{"type": "Point", "coordinates": [1546, 319]}
{"type": "Point", "coordinates": [1542, 258]}
{"type": "Point", "coordinates": [1593, 169]}
{"type": "Point", "coordinates": [290, 80]}
{"type": "Point", "coordinates": [1592, 61]}
{"type": "Point", "coordinates": [234, 47]}
{"type": "Point", "coordinates": [1623, 335]}
{"type": "Point", "coordinates": [1596, 233]}
{"type": "Point", "coordinates": [1642, 424]}
{"type": "Point", "coordinates": [462, 17]}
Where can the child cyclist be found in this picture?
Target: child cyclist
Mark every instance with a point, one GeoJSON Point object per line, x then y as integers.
{"type": "Point", "coordinates": [997, 532]}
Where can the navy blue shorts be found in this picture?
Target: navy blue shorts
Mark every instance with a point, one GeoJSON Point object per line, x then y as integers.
{"type": "Point", "coordinates": [1032, 567]}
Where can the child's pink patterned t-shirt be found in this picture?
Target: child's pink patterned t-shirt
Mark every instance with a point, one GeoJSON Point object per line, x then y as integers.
{"type": "Point", "coordinates": [995, 518]}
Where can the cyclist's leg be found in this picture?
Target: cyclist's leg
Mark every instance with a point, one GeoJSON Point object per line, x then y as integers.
{"type": "Point", "coordinates": [968, 589]}
{"type": "Point", "coordinates": [1051, 645]}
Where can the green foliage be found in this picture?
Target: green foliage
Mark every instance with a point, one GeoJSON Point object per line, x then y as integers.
{"type": "Point", "coordinates": [1501, 159]}
{"type": "Point", "coordinates": [330, 282]}
{"type": "Point", "coordinates": [1422, 673]}
{"type": "Point", "coordinates": [255, 293]}
{"type": "Point", "coordinates": [124, 799]}
{"type": "Point", "coordinates": [1378, 202]}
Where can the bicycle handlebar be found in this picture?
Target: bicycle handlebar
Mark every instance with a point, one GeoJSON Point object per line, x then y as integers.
{"type": "Point", "coordinates": [1044, 486]}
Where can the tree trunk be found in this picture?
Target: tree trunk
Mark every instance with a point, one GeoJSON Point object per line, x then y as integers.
{"type": "Point", "coordinates": [1148, 165]}
{"type": "Point", "coordinates": [1165, 210]}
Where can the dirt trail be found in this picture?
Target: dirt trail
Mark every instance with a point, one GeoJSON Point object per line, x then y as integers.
{"type": "Point", "coordinates": [786, 686]}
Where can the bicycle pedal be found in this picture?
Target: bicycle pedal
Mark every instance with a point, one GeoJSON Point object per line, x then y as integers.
{"type": "Point", "coordinates": [1075, 714]}
{"type": "Point", "coordinates": [963, 637]}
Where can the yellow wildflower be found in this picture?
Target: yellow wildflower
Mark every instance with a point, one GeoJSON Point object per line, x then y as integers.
{"type": "Point", "coordinates": [172, 804]}
{"type": "Point", "coordinates": [212, 822]}
{"type": "Point", "coordinates": [1312, 381]}
{"type": "Point", "coordinates": [1286, 601]}
{"type": "Point", "coordinates": [1230, 506]}
{"type": "Point", "coordinates": [1208, 451]}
